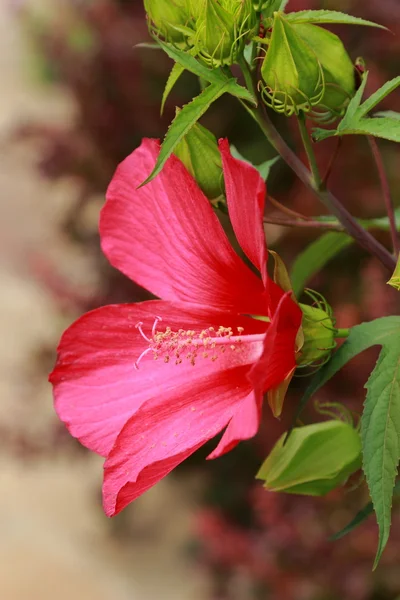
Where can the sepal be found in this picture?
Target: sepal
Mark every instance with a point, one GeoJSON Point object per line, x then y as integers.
{"type": "Point", "coordinates": [314, 460]}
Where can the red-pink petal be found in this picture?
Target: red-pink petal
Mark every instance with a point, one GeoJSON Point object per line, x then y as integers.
{"type": "Point", "coordinates": [278, 358]}
{"type": "Point", "coordinates": [243, 425]}
{"type": "Point", "coordinates": [163, 433]}
{"type": "Point", "coordinates": [166, 237]}
{"type": "Point", "coordinates": [245, 194]}
{"type": "Point", "coordinates": [96, 386]}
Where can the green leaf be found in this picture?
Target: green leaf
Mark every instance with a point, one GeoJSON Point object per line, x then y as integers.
{"type": "Point", "coordinates": [176, 72]}
{"type": "Point", "coordinates": [380, 432]}
{"type": "Point", "coordinates": [394, 281]}
{"type": "Point", "coordinates": [381, 222]}
{"type": "Point", "coordinates": [322, 250]}
{"type": "Point", "coordinates": [184, 121]}
{"type": "Point", "coordinates": [391, 114]}
{"type": "Point", "coordinates": [374, 333]}
{"type": "Point", "coordinates": [189, 62]}
{"type": "Point", "coordinates": [360, 517]}
{"type": "Point", "coordinates": [217, 76]}
{"type": "Point", "coordinates": [354, 104]}
{"type": "Point", "coordinates": [378, 96]}
{"type": "Point", "coordinates": [264, 168]}
{"type": "Point", "coordinates": [380, 425]}
{"type": "Point", "coordinates": [315, 256]}
{"type": "Point", "coordinates": [319, 135]}
{"type": "Point", "coordinates": [328, 16]}
{"type": "Point", "coordinates": [382, 127]}
{"type": "Point", "coordinates": [356, 122]}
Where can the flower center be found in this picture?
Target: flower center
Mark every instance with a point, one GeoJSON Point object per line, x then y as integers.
{"type": "Point", "coordinates": [189, 344]}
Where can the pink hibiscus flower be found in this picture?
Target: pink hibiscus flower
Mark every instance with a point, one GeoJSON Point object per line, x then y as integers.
{"type": "Point", "coordinates": [147, 384]}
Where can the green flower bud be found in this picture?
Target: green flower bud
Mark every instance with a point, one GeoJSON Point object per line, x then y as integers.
{"type": "Point", "coordinates": [291, 71]}
{"type": "Point", "coordinates": [223, 28]}
{"type": "Point", "coordinates": [339, 75]}
{"type": "Point", "coordinates": [319, 335]}
{"type": "Point", "coordinates": [314, 460]}
{"type": "Point", "coordinates": [307, 69]}
{"type": "Point", "coordinates": [169, 19]}
{"type": "Point", "coordinates": [200, 154]}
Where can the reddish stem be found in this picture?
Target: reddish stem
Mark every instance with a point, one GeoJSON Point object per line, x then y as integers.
{"type": "Point", "coordinates": [386, 194]}
{"type": "Point", "coordinates": [304, 224]}
{"type": "Point", "coordinates": [286, 210]}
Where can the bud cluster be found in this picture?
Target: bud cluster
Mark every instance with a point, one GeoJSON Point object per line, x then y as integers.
{"type": "Point", "coordinates": [217, 30]}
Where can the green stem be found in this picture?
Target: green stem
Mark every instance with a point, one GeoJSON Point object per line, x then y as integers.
{"type": "Point", "coordinates": [342, 333]}
{"type": "Point", "coordinates": [311, 224]}
{"type": "Point", "coordinates": [248, 77]}
{"type": "Point", "coordinates": [307, 143]}
{"type": "Point", "coordinates": [349, 223]}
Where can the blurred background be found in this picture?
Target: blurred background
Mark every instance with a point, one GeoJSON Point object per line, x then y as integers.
{"type": "Point", "coordinates": [76, 98]}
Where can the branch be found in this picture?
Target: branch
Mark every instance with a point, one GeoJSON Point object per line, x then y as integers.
{"type": "Point", "coordinates": [349, 223]}
{"type": "Point", "coordinates": [386, 194]}
{"type": "Point", "coordinates": [303, 224]}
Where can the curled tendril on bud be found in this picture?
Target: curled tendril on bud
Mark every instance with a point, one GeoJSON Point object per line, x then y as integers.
{"type": "Point", "coordinates": [338, 411]}
{"type": "Point", "coordinates": [288, 100]}
{"type": "Point", "coordinates": [222, 43]}
{"type": "Point", "coordinates": [326, 115]}
{"type": "Point", "coordinates": [306, 68]}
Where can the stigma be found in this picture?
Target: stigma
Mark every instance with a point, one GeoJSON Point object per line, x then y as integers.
{"type": "Point", "coordinates": [189, 345]}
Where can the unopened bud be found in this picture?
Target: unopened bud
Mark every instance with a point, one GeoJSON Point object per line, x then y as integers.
{"type": "Point", "coordinates": [314, 460]}
{"type": "Point", "coordinates": [200, 154]}
{"type": "Point", "coordinates": [319, 335]}
{"type": "Point", "coordinates": [307, 69]}
{"type": "Point", "coordinates": [291, 71]}
{"type": "Point", "coordinates": [339, 73]}
{"type": "Point", "coordinates": [223, 28]}
{"type": "Point", "coordinates": [169, 19]}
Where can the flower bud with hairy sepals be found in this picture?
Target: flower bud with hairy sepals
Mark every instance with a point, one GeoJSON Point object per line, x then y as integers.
{"type": "Point", "coordinates": [314, 460]}
{"type": "Point", "coordinates": [307, 69]}
{"type": "Point", "coordinates": [291, 72]}
{"type": "Point", "coordinates": [339, 74]}
{"type": "Point", "coordinates": [200, 154]}
{"type": "Point", "coordinates": [169, 19]}
{"type": "Point", "coordinates": [319, 331]}
{"type": "Point", "coordinates": [223, 28]}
